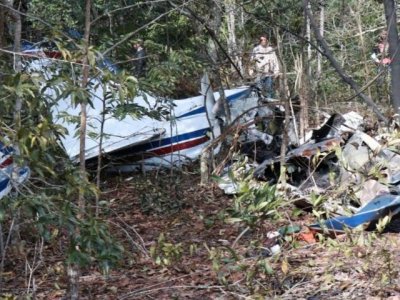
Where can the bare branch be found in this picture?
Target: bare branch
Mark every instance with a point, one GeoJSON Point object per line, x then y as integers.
{"type": "Point", "coordinates": [39, 20]}
{"type": "Point", "coordinates": [126, 8]}
{"type": "Point", "coordinates": [128, 36]}
{"type": "Point", "coordinates": [192, 15]}
{"type": "Point", "coordinates": [329, 55]}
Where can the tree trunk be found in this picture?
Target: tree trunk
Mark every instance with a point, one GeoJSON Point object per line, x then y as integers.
{"type": "Point", "coordinates": [85, 78]}
{"type": "Point", "coordinates": [308, 36]}
{"type": "Point", "coordinates": [16, 17]}
{"type": "Point", "coordinates": [233, 47]}
{"type": "Point", "coordinates": [100, 157]}
{"type": "Point", "coordinates": [302, 88]}
{"type": "Point", "coordinates": [204, 165]}
{"type": "Point", "coordinates": [305, 81]}
{"type": "Point", "coordinates": [357, 15]}
{"type": "Point", "coordinates": [73, 269]}
{"type": "Point", "coordinates": [321, 31]}
{"type": "Point", "coordinates": [18, 69]}
{"type": "Point", "coordinates": [73, 286]}
{"type": "Point", "coordinates": [347, 79]}
{"type": "Point", "coordinates": [390, 14]}
{"type": "Point", "coordinates": [284, 96]}
{"type": "Point", "coordinates": [2, 28]}
{"type": "Point", "coordinates": [216, 61]}
{"type": "Point", "coordinates": [319, 58]}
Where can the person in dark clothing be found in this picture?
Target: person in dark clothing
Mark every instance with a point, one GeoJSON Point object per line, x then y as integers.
{"type": "Point", "coordinates": [140, 59]}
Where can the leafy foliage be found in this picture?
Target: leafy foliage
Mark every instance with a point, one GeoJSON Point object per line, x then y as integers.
{"type": "Point", "coordinates": [253, 204]}
{"type": "Point", "coordinates": [165, 253]}
{"type": "Point", "coordinates": [178, 48]}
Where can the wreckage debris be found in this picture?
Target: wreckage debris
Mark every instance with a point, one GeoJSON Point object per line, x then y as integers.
{"type": "Point", "coordinates": [298, 162]}
{"type": "Point", "coordinates": [329, 129]}
{"type": "Point", "coordinates": [339, 154]}
{"type": "Point", "coordinates": [369, 215]}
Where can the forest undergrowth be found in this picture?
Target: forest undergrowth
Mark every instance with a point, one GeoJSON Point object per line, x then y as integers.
{"type": "Point", "coordinates": [179, 243]}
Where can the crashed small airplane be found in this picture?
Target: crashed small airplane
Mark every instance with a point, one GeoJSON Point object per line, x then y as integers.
{"type": "Point", "coordinates": [130, 143]}
{"type": "Point", "coordinates": [11, 175]}
{"type": "Point", "coordinates": [133, 143]}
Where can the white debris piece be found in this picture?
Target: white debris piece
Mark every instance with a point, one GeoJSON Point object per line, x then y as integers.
{"type": "Point", "coordinates": [352, 121]}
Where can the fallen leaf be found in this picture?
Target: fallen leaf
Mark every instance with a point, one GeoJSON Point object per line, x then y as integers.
{"type": "Point", "coordinates": [285, 267]}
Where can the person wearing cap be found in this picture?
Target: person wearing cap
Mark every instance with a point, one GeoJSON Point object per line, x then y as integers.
{"type": "Point", "coordinates": [139, 59]}
{"type": "Point", "coordinates": [266, 66]}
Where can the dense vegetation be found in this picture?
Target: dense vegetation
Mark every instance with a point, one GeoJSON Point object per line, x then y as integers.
{"type": "Point", "coordinates": [62, 204]}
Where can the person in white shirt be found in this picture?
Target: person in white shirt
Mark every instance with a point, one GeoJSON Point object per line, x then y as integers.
{"type": "Point", "coordinates": [266, 66]}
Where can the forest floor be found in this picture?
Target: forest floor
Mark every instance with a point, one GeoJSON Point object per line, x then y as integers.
{"type": "Point", "coordinates": [178, 245]}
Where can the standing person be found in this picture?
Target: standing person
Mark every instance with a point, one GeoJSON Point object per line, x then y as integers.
{"type": "Point", "coordinates": [380, 55]}
{"type": "Point", "coordinates": [381, 50]}
{"type": "Point", "coordinates": [266, 66]}
{"type": "Point", "coordinates": [139, 59]}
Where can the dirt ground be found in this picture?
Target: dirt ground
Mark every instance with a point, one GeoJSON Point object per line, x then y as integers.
{"type": "Point", "coordinates": [178, 245]}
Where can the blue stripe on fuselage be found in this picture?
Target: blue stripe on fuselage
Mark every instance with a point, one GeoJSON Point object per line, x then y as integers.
{"type": "Point", "coordinates": [4, 183]}
{"type": "Point", "coordinates": [6, 150]}
{"type": "Point", "coordinates": [193, 112]}
{"type": "Point", "coordinates": [162, 142]}
{"type": "Point", "coordinates": [230, 98]}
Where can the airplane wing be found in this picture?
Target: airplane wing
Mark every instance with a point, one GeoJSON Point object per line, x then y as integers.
{"type": "Point", "coordinates": [120, 143]}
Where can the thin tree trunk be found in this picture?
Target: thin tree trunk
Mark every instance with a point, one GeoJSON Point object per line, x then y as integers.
{"type": "Point", "coordinates": [242, 41]}
{"type": "Point", "coordinates": [73, 282]}
{"type": "Point", "coordinates": [347, 79]}
{"type": "Point", "coordinates": [222, 98]}
{"type": "Point", "coordinates": [302, 89]}
{"type": "Point", "coordinates": [4, 246]}
{"type": "Point", "coordinates": [319, 57]}
{"type": "Point", "coordinates": [2, 27]}
{"type": "Point", "coordinates": [230, 22]}
{"type": "Point", "coordinates": [305, 89]}
{"type": "Point", "coordinates": [18, 69]}
{"type": "Point", "coordinates": [285, 137]}
{"type": "Point", "coordinates": [321, 31]}
{"type": "Point", "coordinates": [73, 269]}
{"type": "Point", "coordinates": [206, 154]}
{"type": "Point", "coordinates": [362, 42]}
{"type": "Point", "coordinates": [16, 17]}
{"type": "Point", "coordinates": [204, 165]}
{"type": "Point", "coordinates": [394, 44]}
{"type": "Point", "coordinates": [309, 52]}
{"type": "Point", "coordinates": [100, 157]}
{"type": "Point", "coordinates": [284, 93]}
{"type": "Point", "coordinates": [216, 61]}
{"type": "Point", "coordinates": [85, 79]}
{"type": "Point", "coordinates": [233, 48]}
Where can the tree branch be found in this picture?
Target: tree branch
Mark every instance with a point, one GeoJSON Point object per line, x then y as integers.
{"type": "Point", "coordinates": [192, 15]}
{"type": "Point", "coordinates": [126, 8]}
{"type": "Point", "coordinates": [15, 11]}
{"type": "Point", "coordinates": [128, 36]}
{"type": "Point", "coordinates": [329, 55]}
